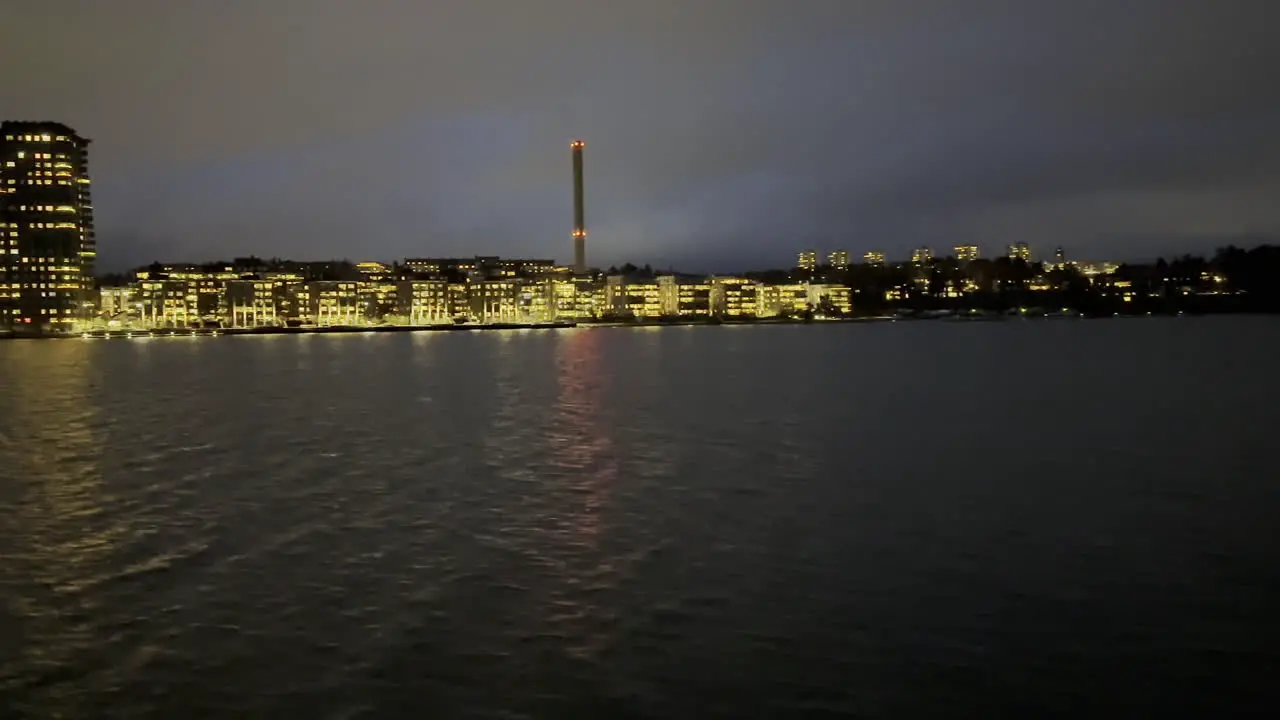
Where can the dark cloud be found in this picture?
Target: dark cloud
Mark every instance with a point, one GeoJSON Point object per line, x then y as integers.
{"type": "Point", "coordinates": [721, 133]}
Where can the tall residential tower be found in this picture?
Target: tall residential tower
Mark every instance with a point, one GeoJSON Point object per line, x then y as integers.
{"type": "Point", "coordinates": [47, 248]}
{"type": "Point", "coordinates": [579, 218]}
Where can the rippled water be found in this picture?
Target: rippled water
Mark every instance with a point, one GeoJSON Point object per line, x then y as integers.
{"type": "Point", "coordinates": [982, 520]}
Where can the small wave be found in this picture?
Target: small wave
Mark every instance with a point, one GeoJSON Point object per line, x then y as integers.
{"type": "Point", "coordinates": [155, 564]}
{"type": "Point", "coordinates": [163, 562]}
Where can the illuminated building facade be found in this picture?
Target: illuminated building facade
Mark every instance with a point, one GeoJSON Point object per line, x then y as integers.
{"type": "Point", "coordinates": [253, 303]}
{"type": "Point", "coordinates": [560, 299]}
{"type": "Point", "coordinates": [493, 301]}
{"type": "Point", "coordinates": [830, 299]}
{"type": "Point", "coordinates": [807, 260]}
{"type": "Point", "coordinates": [922, 256]}
{"type": "Point", "coordinates": [116, 301]}
{"type": "Point", "coordinates": [632, 298]}
{"type": "Point", "coordinates": [1093, 270]}
{"type": "Point", "coordinates": [440, 267]}
{"type": "Point", "coordinates": [733, 297]}
{"type": "Point", "coordinates": [47, 247]}
{"type": "Point", "coordinates": [684, 297]}
{"type": "Point", "coordinates": [333, 302]}
{"type": "Point", "coordinates": [423, 302]}
{"type": "Point", "coordinates": [524, 268]}
{"type": "Point", "coordinates": [374, 271]}
{"type": "Point", "coordinates": [487, 267]}
{"type": "Point", "coordinates": [775, 300]}
{"type": "Point", "coordinates": [966, 253]}
{"type": "Point", "coordinates": [169, 303]}
{"type": "Point", "coordinates": [1019, 251]}
{"type": "Point", "coordinates": [377, 298]}
{"type": "Point", "coordinates": [573, 298]}
{"type": "Point", "coordinates": [873, 257]}
{"type": "Point", "coordinates": [838, 259]}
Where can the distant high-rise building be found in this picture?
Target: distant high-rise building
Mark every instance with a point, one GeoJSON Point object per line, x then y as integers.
{"type": "Point", "coordinates": [807, 260]}
{"type": "Point", "coordinates": [47, 248]}
{"type": "Point", "coordinates": [922, 255]}
{"type": "Point", "coordinates": [873, 257]}
{"type": "Point", "coordinates": [838, 259]}
{"type": "Point", "coordinates": [1060, 256]}
{"type": "Point", "coordinates": [1019, 251]}
{"type": "Point", "coordinates": [579, 210]}
{"type": "Point", "coordinates": [966, 253]}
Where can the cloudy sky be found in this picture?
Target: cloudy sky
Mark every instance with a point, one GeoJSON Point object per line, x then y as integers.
{"type": "Point", "coordinates": [721, 134]}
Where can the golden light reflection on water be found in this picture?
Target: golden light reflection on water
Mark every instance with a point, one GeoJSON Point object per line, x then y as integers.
{"type": "Point", "coordinates": [586, 470]}
{"type": "Point", "coordinates": [58, 533]}
{"type": "Point", "coordinates": [581, 443]}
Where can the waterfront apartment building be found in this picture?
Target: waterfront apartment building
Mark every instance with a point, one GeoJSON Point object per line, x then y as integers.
{"type": "Point", "coordinates": [573, 298]}
{"type": "Point", "coordinates": [775, 300]}
{"type": "Point", "coordinates": [682, 297]}
{"type": "Point", "coordinates": [116, 301]}
{"type": "Point", "coordinates": [172, 304]}
{"type": "Point", "coordinates": [179, 296]}
{"type": "Point", "coordinates": [733, 297]}
{"type": "Point", "coordinates": [627, 297]}
{"type": "Point", "coordinates": [807, 260]}
{"type": "Point", "coordinates": [830, 299]}
{"type": "Point", "coordinates": [966, 253]}
{"type": "Point", "coordinates": [494, 301]}
{"type": "Point", "coordinates": [333, 302]}
{"type": "Point", "coordinates": [423, 302]}
{"type": "Point", "coordinates": [47, 247]}
{"type": "Point", "coordinates": [255, 303]}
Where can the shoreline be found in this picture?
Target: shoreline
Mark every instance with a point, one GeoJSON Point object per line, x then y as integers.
{"type": "Point", "coordinates": [122, 334]}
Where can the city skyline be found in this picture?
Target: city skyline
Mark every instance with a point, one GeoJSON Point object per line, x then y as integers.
{"type": "Point", "coordinates": [724, 135]}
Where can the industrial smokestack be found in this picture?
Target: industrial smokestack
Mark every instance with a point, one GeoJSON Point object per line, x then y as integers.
{"type": "Point", "coordinates": [579, 218]}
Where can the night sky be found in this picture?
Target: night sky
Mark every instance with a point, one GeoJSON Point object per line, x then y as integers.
{"type": "Point", "coordinates": [721, 134]}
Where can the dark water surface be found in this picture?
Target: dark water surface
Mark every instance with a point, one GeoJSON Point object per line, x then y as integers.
{"type": "Point", "coordinates": [903, 520]}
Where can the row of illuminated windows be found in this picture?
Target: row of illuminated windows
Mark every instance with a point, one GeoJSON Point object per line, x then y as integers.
{"type": "Point", "coordinates": [50, 279]}
{"type": "Point", "coordinates": [43, 260]}
{"type": "Point", "coordinates": [47, 208]}
{"type": "Point", "coordinates": [39, 181]}
{"type": "Point", "coordinates": [54, 226]}
{"type": "Point", "coordinates": [37, 138]}
{"type": "Point", "coordinates": [22, 154]}
{"type": "Point", "coordinates": [51, 293]}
